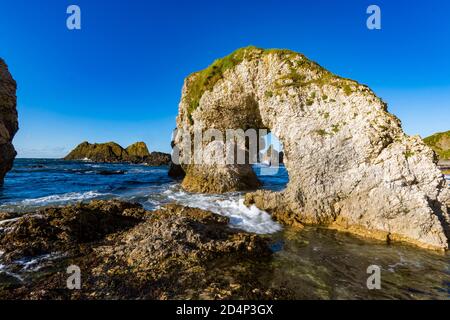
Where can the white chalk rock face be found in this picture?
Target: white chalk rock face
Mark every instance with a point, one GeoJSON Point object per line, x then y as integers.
{"type": "Point", "coordinates": [350, 165]}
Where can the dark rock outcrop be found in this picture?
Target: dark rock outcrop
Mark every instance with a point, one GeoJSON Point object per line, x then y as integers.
{"type": "Point", "coordinates": [8, 120]}
{"type": "Point", "coordinates": [157, 159]}
{"type": "Point", "coordinates": [126, 252]}
{"type": "Point", "coordinates": [176, 171]}
{"type": "Point", "coordinates": [137, 152]}
{"type": "Point", "coordinates": [98, 152]}
{"type": "Point", "coordinates": [112, 152]}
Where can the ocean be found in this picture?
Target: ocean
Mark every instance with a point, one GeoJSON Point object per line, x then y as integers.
{"type": "Point", "coordinates": [314, 263]}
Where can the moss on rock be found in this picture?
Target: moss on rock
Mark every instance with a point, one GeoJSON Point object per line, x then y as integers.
{"type": "Point", "coordinates": [114, 153]}
{"type": "Point", "coordinates": [138, 149]}
{"type": "Point", "coordinates": [440, 143]}
{"type": "Point", "coordinates": [98, 152]}
{"type": "Point", "coordinates": [205, 80]}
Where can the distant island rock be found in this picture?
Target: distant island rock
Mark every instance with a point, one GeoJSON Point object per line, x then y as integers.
{"type": "Point", "coordinates": [270, 155]}
{"type": "Point", "coordinates": [440, 143]}
{"type": "Point", "coordinates": [8, 120]}
{"type": "Point", "coordinates": [111, 152]}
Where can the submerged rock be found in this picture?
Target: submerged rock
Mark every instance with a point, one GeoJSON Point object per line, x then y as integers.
{"type": "Point", "coordinates": [8, 120]}
{"type": "Point", "coordinates": [126, 252]}
{"type": "Point", "coordinates": [350, 164]}
{"type": "Point", "coordinates": [111, 172]}
{"type": "Point", "coordinates": [111, 152]}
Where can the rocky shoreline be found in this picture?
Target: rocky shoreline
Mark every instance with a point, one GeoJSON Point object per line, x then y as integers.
{"type": "Point", "coordinates": [126, 252]}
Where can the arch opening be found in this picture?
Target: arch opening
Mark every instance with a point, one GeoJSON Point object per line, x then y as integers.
{"type": "Point", "coordinates": [270, 168]}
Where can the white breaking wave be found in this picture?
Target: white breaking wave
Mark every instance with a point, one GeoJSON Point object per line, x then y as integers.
{"type": "Point", "coordinates": [58, 199]}
{"type": "Point", "coordinates": [250, 219]}
{"type": "Point", "coordinates": [147, 170]}
{"type": "Point", "coordinates": [36, 263]}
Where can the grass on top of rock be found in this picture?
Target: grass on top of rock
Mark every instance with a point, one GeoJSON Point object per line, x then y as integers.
{"type": "Point", "coordinates": [207, 78]}
{"type": "Point", "coordinates": [440, 143]}
{"type": "Point", "coordinates": [203, 81]}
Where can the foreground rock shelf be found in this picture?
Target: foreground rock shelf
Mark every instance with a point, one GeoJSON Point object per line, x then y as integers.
{"type": "Point", "coordinates": [351, 166]}
{"type": "Point", "coordinates": [125, 252]}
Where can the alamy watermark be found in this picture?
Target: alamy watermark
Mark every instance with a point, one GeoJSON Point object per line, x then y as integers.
{"type": "Point", "coordinates": [73, 21]}
{"type": "Point", "coordinates": [224, 147]}
{"type": "Point", "coordinates": [374, 20]}
{"type": "Point", "coordinates": [374, 280]}
{"type": "Point", "coordinates": [73, 282]}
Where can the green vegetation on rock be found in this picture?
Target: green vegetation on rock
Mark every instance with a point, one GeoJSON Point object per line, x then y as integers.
{"type": "Point", "coordinates": [205, 80]}
{"type": "Point", "coordinates": [409, 154]}
{"type": "Point", "coordinates": [138, 149]}
{"type": "Point", "coordinates": [98, 152]}
{"type": "Point", "coordinates": [112, 152]}
{"type": "Point", "coordinates": [321, 132]}
{"type": "Point", "coordinates": [440, 143]}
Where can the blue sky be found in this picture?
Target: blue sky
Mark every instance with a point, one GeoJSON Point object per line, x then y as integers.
{"type": "Point", "coordinates": [120, 77]}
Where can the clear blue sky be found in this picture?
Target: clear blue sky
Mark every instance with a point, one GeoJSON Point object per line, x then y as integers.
{"type": "Point", "coordinates": [120, 77]}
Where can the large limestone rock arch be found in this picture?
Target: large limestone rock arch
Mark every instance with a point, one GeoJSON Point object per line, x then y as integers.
{"type": "Point", "coordinates": [350, 164]}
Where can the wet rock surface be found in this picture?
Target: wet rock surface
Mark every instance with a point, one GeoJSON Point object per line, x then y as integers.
{"type": "Point", "coordinates": [63, 229]}
{"type": "Point", "coordinates": [126, 252]}
{"type": "Point", "coordinates": [8, 119]}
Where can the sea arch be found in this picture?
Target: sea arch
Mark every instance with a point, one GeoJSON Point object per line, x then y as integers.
{"type": "Point", "coordinates": [350, 164]}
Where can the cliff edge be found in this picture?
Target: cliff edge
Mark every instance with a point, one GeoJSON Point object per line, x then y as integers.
{"type": "Point", "coordinates": [8, 119]}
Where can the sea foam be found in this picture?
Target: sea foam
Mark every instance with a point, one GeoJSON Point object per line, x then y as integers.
{"type": "Point", "coordinates": [56, 199]}
{"type": "Point", "coordinates": [250, 219]}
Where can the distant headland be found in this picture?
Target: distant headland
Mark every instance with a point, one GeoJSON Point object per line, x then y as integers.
{"type": "Point", "coordinates": [112, 152]}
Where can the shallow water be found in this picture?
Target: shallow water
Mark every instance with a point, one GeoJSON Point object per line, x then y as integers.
{"type": "Point", "coordinates": [317, 263]}
{"type": "Point", "coordinates": [311, 263]}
